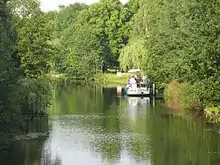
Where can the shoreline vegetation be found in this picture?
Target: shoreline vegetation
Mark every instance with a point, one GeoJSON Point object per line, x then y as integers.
{"type": "Point", "coordinates": [177, 49]}
{"type": "Point", "coordinates": [185, 97]}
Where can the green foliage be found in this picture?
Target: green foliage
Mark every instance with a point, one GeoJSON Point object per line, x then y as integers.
{"type": "Point", "coordinates": [174, 41]}
{"type": "Point", "coordinates": [111, 79]}
{"type": "Point", "coordinates": [89, 39]}
{"type": "Point", "coordinates": [84, 59]}
{"type": "Point", "coordinates": [78, 48]}
{"type": "Point", "coordinates": [33, 44]}
{"type": "Point", "coordinates": [36, 96]}
{"type": "Point", "coordinates": [213, 113]}
{"type": "Point", "coordinates": [15, 94]}
{"type": "Point", "coordinates": [180, 42]}
{"type": "Point", "coordinates": [183, 96]}
{"type": "Point", "coordinates": [133, 54]}
{"type": "Point", "coordinates": [66, 17]}
{"type": "Point", "coordinates": [179, 46]}
{"type": "Point", "coordinates": [191, 96]}
{"type": "Point", "coordinates": [108, 20]}
{"type": "Point", "coordinates": [9, 97]}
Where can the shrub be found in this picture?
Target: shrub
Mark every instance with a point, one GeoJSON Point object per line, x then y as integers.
{"type": "Point", "coordinates": [183, 96]}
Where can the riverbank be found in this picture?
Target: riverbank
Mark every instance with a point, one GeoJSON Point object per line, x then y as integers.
{"type": "Point", "coordinates": [193, 98]}
{"type": "Point", "coordinates": [106, 79]}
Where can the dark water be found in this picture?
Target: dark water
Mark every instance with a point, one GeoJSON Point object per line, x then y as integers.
{"type": "Point", "coordinates": [91, 125]}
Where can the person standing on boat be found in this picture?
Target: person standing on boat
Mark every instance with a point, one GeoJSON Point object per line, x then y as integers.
{"type": "Point", "coordinates": [138, 80]}
{"type": "Point", "coordinates": [129, 83]}
{"type": "Point", "coordinates": [144, 80]}
{"type": "Point", "coordinates": [133, 82]}
{"type": "Point", "coordinates": [129, 78]}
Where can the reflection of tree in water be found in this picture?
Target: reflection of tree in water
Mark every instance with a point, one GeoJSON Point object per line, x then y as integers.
{"type": "Point", "coordinates": [23, 152]}
{"type": "Point", "coordinates": [110, 149]}
{"type": "Point", "coordinates": [166, 139]}
{"type": "Point", "coordinates": [110, 146]}
{"type": "Point", "coordinates": [109, 96]}
{"type": "Point", "coordinates": [82, 99]}
{"type": "Point", "coordinates": [111, 119]}
{"type": "Point", "coordinates": [37, 125]}
{"type": "Point", "coordinates": [27, 151]}
{"type": "Point", "coordinates": [180, 141]}
{"type": "Point", "coordinates": [77, 100]}
{"type": "Point", "coordinates": [140, 147]}
{"type": "Point", "coordinates": [89, 100]}
{"type": "Point", "coordinates": [173, 140]}
{"type": "Point", "coordinates": [50, 159]}
{"type": "Point", "coordinates": [137, 113]}
{"type": "Point", "coordinates": [140, 142]}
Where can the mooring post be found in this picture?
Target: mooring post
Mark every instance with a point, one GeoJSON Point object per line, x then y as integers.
{"type": "Point", "coordinates": [154, 89]}
{"type": "Point", "coordinates": [153, 101]}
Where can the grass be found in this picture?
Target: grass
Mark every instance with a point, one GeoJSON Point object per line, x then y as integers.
{"type": "Point", "coordinates": [111, 79]}
{"type": "Point", "coordinates": [107, 79]}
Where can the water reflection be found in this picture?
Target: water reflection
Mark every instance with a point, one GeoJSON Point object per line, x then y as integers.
{"type": "Point", "coordinates": [95, 134]}
{"type": "Point", "coordinates": [137, 106]}
{"type": "Point", "coordinates": [24, 150]}
{"type": "Point", "coordinates": [92, 125]}
{"type": "Point", "coordinates": [75, 142]}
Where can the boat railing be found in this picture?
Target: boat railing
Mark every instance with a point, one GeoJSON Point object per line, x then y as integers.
{"type": "Point", "coordinates": [141, 84]}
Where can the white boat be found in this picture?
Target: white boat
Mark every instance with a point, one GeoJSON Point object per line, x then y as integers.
{"type": "Point", "coordinates": [135, 88]}
{"type": "Point", "coordinates": [143, 90]}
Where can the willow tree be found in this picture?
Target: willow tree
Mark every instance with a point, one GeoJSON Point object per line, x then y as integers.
{"type": "Point", "coordinates": [133, 55]}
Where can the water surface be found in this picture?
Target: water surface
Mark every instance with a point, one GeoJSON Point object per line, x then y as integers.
{"type": "Point", "coordinates": [93, 125]}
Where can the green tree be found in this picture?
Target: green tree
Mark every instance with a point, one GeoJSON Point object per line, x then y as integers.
{"type": "Point", "coordinates": [180, 44]}
{"type": "Point", "coordinates": [108, 19]}
{"type": "Point", "coordinates": [35, 50]}
{"type": "Point", "coordinates": [9, 86]}
{"type": "Point", "coordinates": [84, 57]}
{"type": "Point", "coordinates": [64, 25]}
{"type": "Point", "coordinates": [133, 54]}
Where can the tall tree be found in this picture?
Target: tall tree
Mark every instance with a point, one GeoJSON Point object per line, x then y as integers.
{"type": "Point", "coordinates": [84, 57]}
{"type": "Point", "coordinates": [64, 22]}
{"type": "Point", "coordinates": [34, 47]}
{"type": "Point", "coordinates": [9, 86]}
{"type": "Point", "coordinates": [108, 19]}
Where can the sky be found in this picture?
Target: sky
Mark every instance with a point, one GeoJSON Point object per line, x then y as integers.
{"type": "Point", "coordinates": [48, 5]}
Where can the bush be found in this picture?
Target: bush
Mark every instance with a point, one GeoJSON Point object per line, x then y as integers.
{"type": "Point", "coordinates": [183, 96]}
{"type": "Point", "coordinates": [212, 113]}
{"type": "Point", "coordinates": [36, 96]}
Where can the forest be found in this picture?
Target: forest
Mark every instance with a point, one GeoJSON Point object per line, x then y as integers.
{"type": "Point", "coordinates": [176, 43]}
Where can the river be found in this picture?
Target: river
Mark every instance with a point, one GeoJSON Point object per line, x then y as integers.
{"type": "Point", "coordinates": [96, 126]}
